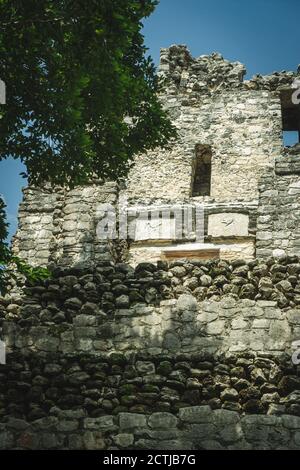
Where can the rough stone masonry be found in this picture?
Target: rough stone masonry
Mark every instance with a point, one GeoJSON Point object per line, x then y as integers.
{"type": "Point", "coordinates": [229, 157]}
{"type": "Point", "coordinates": [101, 357]}
{"type": "Point", "coordinates": [162, 342]}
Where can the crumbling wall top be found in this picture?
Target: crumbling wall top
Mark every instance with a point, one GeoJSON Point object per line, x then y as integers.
{"type": "Point", "coordinates": [205, 73]}
{"type": "Point", "coordinates": [211, 73]}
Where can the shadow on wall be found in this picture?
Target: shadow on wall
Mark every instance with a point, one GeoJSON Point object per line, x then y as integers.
{"type": "Point", "coordinates": [172, 328]}
{"type": "Point", "coordinates": [228, 326]}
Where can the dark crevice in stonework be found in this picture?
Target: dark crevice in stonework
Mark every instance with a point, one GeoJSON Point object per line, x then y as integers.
{"type": "Point", "coordinates": [202, 171]}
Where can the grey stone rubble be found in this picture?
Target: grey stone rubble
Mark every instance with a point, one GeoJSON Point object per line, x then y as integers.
{"type": "Point", "coordinates": [109, 383]}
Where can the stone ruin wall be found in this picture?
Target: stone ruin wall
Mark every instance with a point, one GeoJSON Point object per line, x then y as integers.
{"type": "Point", "coordinates": [60, 226]}
{"type": "Point", "coordinates": [97, 356]}
{"type": "Point", "coordinates": [186, 354]}
{"type": "Point", "coordinates": [279, 209]}
{"type": "Point", "coordinates": [211, 105]}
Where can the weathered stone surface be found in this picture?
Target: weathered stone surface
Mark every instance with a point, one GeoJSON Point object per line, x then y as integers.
{"type": "Point", "coordinates": [162, 421]}
{"type": "Point", "coordinates": [124, 440]}
{"type": "Point", "coordinates": [197, 427]}
{"type": "Point", "coordinates": [226, 225]}
{"type": "Point", "coordinates": [93, 440]}
{"type": "Point", "coordinates": [186, 302]}
{"type": "Point", "coordinates": [103, 423]}
{"type": "Point", "coordinates": [196, 414]}
{"type": "Point", "coordinates": [129, 421]}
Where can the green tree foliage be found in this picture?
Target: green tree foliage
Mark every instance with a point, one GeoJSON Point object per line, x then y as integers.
{"type": "Point", "coordinates": [81, 93]}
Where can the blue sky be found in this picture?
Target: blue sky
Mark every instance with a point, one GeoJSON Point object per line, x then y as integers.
{"type": "Point", "coordinates": [262, 34]}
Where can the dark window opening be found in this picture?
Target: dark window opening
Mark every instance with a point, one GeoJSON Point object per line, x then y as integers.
{"type": "Point", "coordinates": [290, 118]}
{"type": "Point", "coordinates": [202, 171]}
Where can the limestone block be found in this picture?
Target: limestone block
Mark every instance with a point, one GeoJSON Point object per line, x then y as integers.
{"type": "Point", "coordinates": [162, 420]}
{"type": "Point", "coordinates": [132, 421]}
{"type": "Point", "coordinates": [196, 414]}
{"type": "Point", "coordinates": [155, 229]}
{"type": "Point", "coordinates": [186, 302]}
{"type": "Point", "coordinates": [239, 324]}
{"type": "Point", "coordinates": [216, 327]}
{"type": "Point", "coordinates": [228, 225]}
{"type": "Point", "coordinates": [145, 368]}
{"type": "Point", "coordinates": [93, 440]}
{"type": "Point", "coordinates": [124, 440]}
{"type": "Point", "coordinates": [103, 423]}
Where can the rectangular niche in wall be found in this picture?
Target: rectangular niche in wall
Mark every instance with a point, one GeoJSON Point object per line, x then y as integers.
{"type": "Point", "coordinates": [201, 182]}
{"type": "Point", "coordinates": [290, 118]}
